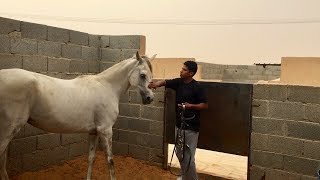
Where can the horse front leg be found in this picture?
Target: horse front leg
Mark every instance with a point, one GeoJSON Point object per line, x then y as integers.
{"type": "Point", "coordinates": [106, 140]}
{"type": "Point", "coordinates": [93, 140]}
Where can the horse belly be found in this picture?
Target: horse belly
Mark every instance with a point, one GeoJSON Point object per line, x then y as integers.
{"type": "Point", "coordinates": [63, 123]}
{"type": "Point", "coordinates": [63, 110]}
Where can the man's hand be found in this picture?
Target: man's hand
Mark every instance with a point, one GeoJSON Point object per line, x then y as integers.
{"type": "Point", "coordinates": [200, 106]}
{"type": "Point", "coordinates": [185, 105]}
{"type": "Point", "coordinates": [155, 85]}
{"type": "Point", "coordinates": [152, 85]}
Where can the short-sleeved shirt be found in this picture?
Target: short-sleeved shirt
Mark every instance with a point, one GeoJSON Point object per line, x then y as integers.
{"type": "Point", "coordinates": [192, 93]}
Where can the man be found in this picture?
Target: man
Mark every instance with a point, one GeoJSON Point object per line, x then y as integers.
{"type": "Point", "coordinates": [190, 99]}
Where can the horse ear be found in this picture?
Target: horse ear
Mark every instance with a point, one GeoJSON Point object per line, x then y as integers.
{"type": "Point", "coordinates": [153, 57]}
{"type": "Point", "coordinates": [138, 57]}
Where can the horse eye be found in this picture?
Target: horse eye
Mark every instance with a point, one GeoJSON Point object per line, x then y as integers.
{"type": "Point", "coordinates": [142, 76]}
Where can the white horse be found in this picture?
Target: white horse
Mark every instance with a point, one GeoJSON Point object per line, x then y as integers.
{"type": "Point", "coordinates": [87, 104]}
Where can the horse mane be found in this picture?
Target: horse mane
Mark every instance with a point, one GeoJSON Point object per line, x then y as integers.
{"type": "Point", "coordinates": [146, 58]}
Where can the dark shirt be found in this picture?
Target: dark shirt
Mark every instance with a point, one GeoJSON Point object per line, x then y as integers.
{"type": "Point", "coordinates": [192, 93]}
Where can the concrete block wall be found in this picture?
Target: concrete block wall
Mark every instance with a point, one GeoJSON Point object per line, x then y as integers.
{"type": "Point", "coordinates": [285, 138]}
{"type": "Point", "coordinates": [239, 73]}
{"type": "Point", "coordinates": [66, 54]}
{"type": "Point", "coordinates": [138, 131]}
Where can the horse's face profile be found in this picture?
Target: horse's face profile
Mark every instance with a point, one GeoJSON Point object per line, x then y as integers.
{"type": "Point", "coordinates": [141, 76]}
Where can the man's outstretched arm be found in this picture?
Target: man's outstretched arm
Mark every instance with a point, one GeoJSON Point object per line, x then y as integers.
{"type": "Point", "coordinates": [154, 85]}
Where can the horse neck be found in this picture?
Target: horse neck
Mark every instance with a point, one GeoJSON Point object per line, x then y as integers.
{"type": "Point", "coordinates": [117, 76]}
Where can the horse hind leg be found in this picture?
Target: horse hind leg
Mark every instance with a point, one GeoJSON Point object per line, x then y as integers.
{"type": "Point", "coordinates": [93, 140]}
{"type": "Point", "coordinates": [5, 137]}
{"type": "Point", "coordinates": [106, 139]}
{"type": "Point", "coordinates": [10, 124]}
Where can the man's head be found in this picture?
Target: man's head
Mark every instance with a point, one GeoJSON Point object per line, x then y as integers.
{"type": "Point", "coordinates": [189, 69]}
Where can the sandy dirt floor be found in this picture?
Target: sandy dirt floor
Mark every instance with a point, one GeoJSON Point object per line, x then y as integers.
{"type": "Point", "coordinates": [126, 168]}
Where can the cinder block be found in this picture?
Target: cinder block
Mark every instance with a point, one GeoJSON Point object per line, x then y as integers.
{"type": "Point", "coordinates": [24, 46]}
{"type": "Point", "coordinates": [14, 165]}
{"type": "Point", "coordinates": [104, 41]}
{"type": "Point", "coordinates": [272, 77]}
{"type": "Point", "coordinates": [270, 92]}
{"type": "Point", "coordinates": [256, 72]}
{"type": "Point", "coordinates": [34, 31]}
{"type": "Point", "coordinates": [138, 152]}
{"type": "Point", "coordinates": [47, 141]}
{"type": "Point", "coordinates": [139, 125]}
{"type": "Point", "coordinates": [78, 149]}
{"type": "Point", "coordinates": [58, 34]}
{"type": "Point", "coordinates": [115, 134]}
{"type": "Point", "coordinates": [111, 55]}
{"type": "Point", "coordinates": [156, 156]}
{"type": "Point", "coordinates": [124, 98]}
{"type": "Point", "coordinates": [257, 173]}
{"type": "Point", "coordinates": [122, 122]}
{"type": "Point", "coordinates": [47, 48]}
{"type": "Point", "coordinates": [94, 66]}
{"type": "Point", "coordinates": [312, 112]}
{"type": "Point", "coordinates": [119, 148]}
{"type": "Point", "coordinates": [5, 44]}
{"type": "Point", "coordinates": [266, 159]}
{"type": "Point", "coordinates": [304, 94]}
{"type": "Point", "coordinates": [125, 42]}
{"type": "Point", "coordinates": [152, 113]}
{"type": "Point", "coordinates": [94, 40]}
{"type": "Point", "coordinates": [30, 130]}
{"type": "Point", "coordinates": [73, 138]}
{"type": "Point", "coordinates": [268, 126]}
{"type": "Point", "coordinates": [260, 108]}
{"type": "Point", "coordinates": [71, 51]}
{"type": "Point", "coordinates": [58, 65]}
{"type": "Point", "coordinates": [79, 38]}
{"type": "Point", "coordinates": [105, 65]}
{"type": "Point", "coordinates": [156, 127]}
{"type": "Point", "coordinates": [159, 99]}
{"type": "Point", "coordinates": [137, 138]}
{"type": "Point", "coordinates": [135, 97]}
{"type": "Point", "coordinates": [8, 61]}
{"type": "Point", "coordinates": [301, 165]}
{"type": "Point", "coordinates": [272, 174]}
{"type": "Point", "coordinates": [22, 146]}
{"type": "Point", "coordinates": [35, 63]}
{"type": "Point", "coordinates": [9, 25]}
{"type": "Point", "coordinates": [311, 149]}
{"type": "Point", "coordinates": [128, 53]}
{"type": "Point", "coordinates": [259, 141]}
{"type": "Point", "coordinates": [303, 130]}
{"type": "Point", "coordinates": [123, 136]}
{"type": "Point", "coordinates": [156, 141]}
{"type": "Point", "coordinates": [276, 73]}
{"type": "Point", "coordinates": [267, 72]}
{"type": "Point", "coordinates": [43, 158]}
{"type": "Point", "coordinates": [79, 66]}
{"type": "Point", "coordinates": [286, 110]}
{"type": "Point", "coordinates": [285, 145]}
{"type": "Point", "coordinates": [90, 53]}
{"type": "Point", "coordinates": [129, 110]}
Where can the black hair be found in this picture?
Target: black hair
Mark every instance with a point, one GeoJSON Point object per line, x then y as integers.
{"type": "Point", "coordinates": [192, 66]}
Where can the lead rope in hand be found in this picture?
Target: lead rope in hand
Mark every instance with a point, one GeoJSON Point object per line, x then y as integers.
{"type": "Point", "coordinates": [182, 144]}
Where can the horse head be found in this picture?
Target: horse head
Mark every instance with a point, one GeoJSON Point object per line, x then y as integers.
{"type": "Point", "coordinates": [141, 76]}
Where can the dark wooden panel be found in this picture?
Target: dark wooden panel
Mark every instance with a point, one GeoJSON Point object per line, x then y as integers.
{"type": "Point", "coordinates": [225, 126]}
